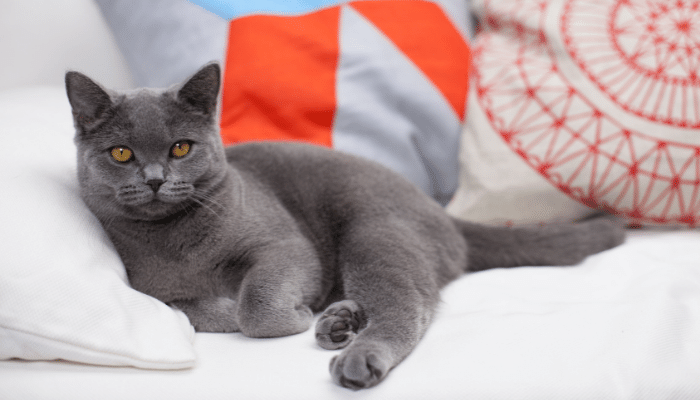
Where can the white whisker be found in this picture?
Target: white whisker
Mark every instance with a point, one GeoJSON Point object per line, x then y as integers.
{"type": "Point", "coordinates": [202, 202]}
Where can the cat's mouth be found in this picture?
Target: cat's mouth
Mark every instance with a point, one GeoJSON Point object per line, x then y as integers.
{"type": "Point", "coordinates": [143, 195]}
{"type": "Point", "coordinates": [144, 203]}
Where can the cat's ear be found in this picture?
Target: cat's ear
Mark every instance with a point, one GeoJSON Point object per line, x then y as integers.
{"type": "Point", "coordinates": [88, 100]}
{"type": "Point", "coordinates": [202, 90]}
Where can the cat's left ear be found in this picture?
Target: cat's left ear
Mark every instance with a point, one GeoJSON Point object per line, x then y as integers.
{"type": "Point", "coordinates": [201, 91]}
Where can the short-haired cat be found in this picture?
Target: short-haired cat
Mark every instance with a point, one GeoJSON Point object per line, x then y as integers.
{"type": "Point", "coordinates": [256, 238]}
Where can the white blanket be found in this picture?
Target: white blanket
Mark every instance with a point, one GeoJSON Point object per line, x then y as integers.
{"type": "Point", "coordinates": [625, 324]}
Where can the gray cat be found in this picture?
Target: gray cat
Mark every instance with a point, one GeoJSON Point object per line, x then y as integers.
{"type": "Point", "coordinates": [256, 238]}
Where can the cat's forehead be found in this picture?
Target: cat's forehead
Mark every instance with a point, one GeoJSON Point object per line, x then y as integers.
{"type": "Point", "coordinates": [146, 105]}
{"type": "Point", "coordinates": [147, 121]}
{"type": "Point", "coordinates": [148, 116]}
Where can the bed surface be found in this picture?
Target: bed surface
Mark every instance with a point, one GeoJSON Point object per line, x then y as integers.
{"type": "Point", "coordinates": [625, 324]}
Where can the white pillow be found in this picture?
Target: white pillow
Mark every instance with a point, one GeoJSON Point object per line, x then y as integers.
{"type": "Point", "coordinates": [63, 289]}
{"type": "Point", "coordinates": [41, 38]}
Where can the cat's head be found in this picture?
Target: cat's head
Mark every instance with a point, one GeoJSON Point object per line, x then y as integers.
{"type": "Point", "coordinates": [147, 154]}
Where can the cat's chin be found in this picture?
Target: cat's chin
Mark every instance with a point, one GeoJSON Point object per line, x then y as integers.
{"type": "Point", "coordinates": [155, 210]}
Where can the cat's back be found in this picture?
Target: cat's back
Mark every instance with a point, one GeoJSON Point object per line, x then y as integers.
{"type": "Point", "coordinates": [333, 196]}
{"type": "Point", "coordinates": [261, 156]}
{"type": "Point", "coordinates": [307, 171]}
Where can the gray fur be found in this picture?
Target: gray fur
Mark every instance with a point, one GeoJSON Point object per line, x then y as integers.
{"type": "Point", "coordinates": [257, 237]}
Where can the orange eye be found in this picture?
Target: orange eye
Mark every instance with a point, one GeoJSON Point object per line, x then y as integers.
{"type": "Point", "coordinates": [180, 149]}
{"type": "Point", "coordinates": [122, 154]}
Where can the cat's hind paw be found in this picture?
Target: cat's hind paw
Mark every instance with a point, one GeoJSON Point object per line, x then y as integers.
{"type": "Point", "coordinates": [359, 368]}
{"type": "Point", "coordinates": [339, 325]}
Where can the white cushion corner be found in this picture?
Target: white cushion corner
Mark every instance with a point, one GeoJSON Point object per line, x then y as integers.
{"type": "Point", "coordinates": [64, 293]}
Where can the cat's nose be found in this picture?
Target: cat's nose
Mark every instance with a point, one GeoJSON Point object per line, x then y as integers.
{"type": "Point", "coordinates": [154, 184]}
{"type": "Point", "coordinates": [154, 176]}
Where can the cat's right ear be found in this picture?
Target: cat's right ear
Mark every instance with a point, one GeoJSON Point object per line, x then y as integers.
{"type": "Point", "coordinates": [88, 100]}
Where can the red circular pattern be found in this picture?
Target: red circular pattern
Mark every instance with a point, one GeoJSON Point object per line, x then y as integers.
{"type": "Point", "coordinates": [644, 55]}
{"type": "Point", "coordinates": [567, 137]}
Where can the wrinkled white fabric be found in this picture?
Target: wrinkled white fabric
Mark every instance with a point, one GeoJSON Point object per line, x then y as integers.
{"type": "Point", "coordinates": [63, 289]}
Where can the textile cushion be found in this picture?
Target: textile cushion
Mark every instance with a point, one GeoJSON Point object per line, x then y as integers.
{"type": "Point", "coordinates": [63, 292]}
{"type": "Point", "coordinates": [578, 106]}
{"type": "Point", "coordinates": [386, 80]}
{"type": "Point", "coordinates": [164, 41]}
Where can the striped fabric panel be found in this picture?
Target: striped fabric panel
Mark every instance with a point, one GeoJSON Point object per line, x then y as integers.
{"type": "Point", "coordinates": [383, 79]}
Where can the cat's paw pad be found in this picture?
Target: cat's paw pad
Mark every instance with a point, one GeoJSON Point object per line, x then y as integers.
{"type": "Point", "coordinates": [359, 368]}
{"type": "Point", "coordinates": [338, 325]}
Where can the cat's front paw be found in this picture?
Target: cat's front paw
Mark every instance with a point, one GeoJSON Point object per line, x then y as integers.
{"type": "Point", "coordinates": [338, 325]}
{"type": "Point", "coordinates": [360, 367]}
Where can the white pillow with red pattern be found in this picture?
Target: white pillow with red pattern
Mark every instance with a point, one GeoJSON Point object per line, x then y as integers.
{"type": "Point", "coordinates": [578, 106]}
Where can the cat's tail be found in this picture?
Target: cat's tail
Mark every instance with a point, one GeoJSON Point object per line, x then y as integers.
{"type": "Point", "coordinates": [555, 244]}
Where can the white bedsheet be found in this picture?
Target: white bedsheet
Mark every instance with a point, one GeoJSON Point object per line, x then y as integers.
{"type": "Point", "coordinates": [625, 324]}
